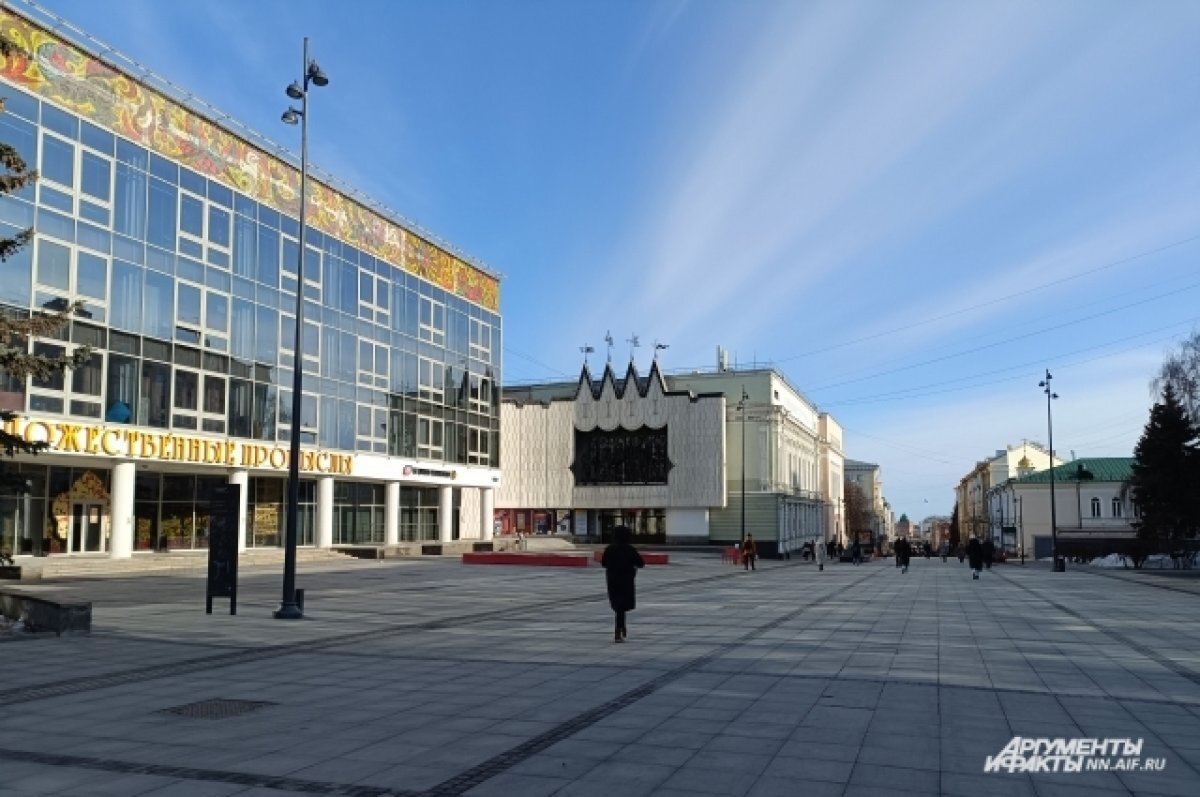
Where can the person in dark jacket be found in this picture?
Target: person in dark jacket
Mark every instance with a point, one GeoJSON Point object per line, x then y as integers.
{"type": "Point", "coordinates": [975, 556]}
{"type": "Point", "coordinates": [749, 552]}
{"type": "Point", "coordinates": [903, 554]}
{"type": "Point", "coordinates": [989, 553]}
{"type": "Point", "coordinates": [621, 562]}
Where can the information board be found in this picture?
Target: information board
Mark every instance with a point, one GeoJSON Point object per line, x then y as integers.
{"type": "Point", "coordinates": [223, 545]}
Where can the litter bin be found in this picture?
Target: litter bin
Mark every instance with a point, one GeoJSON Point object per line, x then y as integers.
{"type": "Point", "coordinates": [300, 599]}
{"type": "Point", "coordinates": [1060, 565]}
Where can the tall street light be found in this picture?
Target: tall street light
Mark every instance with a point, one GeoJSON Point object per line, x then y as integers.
{"type": "Point", "coordinates": [298, 90]}
{"type": "Point", "coordinates": [1060, 565]}
{"type": "Point", "coordinates": [741, 405]}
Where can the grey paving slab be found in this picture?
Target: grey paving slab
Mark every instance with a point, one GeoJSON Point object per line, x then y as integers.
{"type": "Point", "coordinates": [405, 679]}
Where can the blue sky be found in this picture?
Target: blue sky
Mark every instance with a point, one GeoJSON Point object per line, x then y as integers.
{"type": "Point", "coordinates": [912, 209]}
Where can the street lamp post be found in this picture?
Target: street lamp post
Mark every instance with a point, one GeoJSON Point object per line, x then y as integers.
{"type": "Point", "coordinates": [1060, 565]}
{"type": "Point", "coordinates": [298, 90]}
{"type": "Point", "coordinates": [742, 409]}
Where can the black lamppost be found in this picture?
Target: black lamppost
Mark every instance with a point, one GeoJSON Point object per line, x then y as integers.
{"type": "Point", "coordinates": [741, 405]}
{"type": "Point", "coordinates": [298, 90]}
{"type": "Point", "coordinates": [1060, 565]}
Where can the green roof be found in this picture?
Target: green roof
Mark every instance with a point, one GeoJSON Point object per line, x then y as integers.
{"type": "Point", "coordinates": [1102, 469]}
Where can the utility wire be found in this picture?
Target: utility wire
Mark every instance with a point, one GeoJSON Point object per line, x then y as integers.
{"type": "Point", "coordinates": [997, 300]}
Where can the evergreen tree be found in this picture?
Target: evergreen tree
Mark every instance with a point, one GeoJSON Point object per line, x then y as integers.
{"type": "Point", "coordinates": [955, 535]}
{"type": "Point", "coordinates": [1166, 474]}
{"type": "Point", "coordinates": [17, 325]}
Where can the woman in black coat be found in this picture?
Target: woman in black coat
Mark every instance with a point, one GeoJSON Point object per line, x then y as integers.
{"type": "Point", "coordinates": [975, 556]}
{"type": "Point", "coordinates": [621, 562]}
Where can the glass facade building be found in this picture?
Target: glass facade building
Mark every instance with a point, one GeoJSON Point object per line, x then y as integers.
{"type": "Point", "coordinates": [178, 238]}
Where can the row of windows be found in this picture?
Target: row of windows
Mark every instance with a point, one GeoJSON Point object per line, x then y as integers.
{"type": "Point", "coordinates": [194, 233]}
{"type": "Point", "coordinates": [153, 383]}
{"type": "Point", "coordinates": [1117, 508]}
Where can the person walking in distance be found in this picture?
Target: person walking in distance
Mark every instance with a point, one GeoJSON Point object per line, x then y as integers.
{"type": "Point", "coordinates": [856, 553]}
{"type": "Point", "coordinates": [989, 553]}
{"type": "Point", "coordinates": [903, 554]}
{"type": "Point", "coordinates": [621, 561]}
{"type": "Point", "coordinates": [821, 553]}
{"type": "Point", "coordinates": [749, 552]}
{"type": "Point", "coordinates": [975, 556]}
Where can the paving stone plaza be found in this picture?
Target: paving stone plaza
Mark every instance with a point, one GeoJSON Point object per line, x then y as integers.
{"type": "Point", "coordinates": [429, 677]}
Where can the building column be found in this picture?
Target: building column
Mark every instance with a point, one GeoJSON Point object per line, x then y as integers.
{"type": "Point", "coordinates": [120, 539]}
{"type": "Point", "coordinates": [445, 508]}
{"type": "Point", "coordinates": [487, 509]}
{"type": "Point", "coordinates": [323, 538]}
{"type": "Point", "coordinates": [242, 479]}
{"type": "Point", "coordinates": [391, 513]}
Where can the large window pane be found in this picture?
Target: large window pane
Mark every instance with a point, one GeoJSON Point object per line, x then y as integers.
{"type": "Point", "coordinates": [129, 207]}
{"type": "Point", "coordinates": [264, 412]}
{"type": "Point", "coordinates": [161, 215]}
{"type": "Point", "coordinates": [58, 160]}
{"type": "Point", "coordinates": [120, 397]}
{"type": "Point", "coordinates": [191, 215]}
{"type": "Point", "coordinates": [85, 378]}
{"type": "Point", "coordinates": [242, 337]}
{"type": "Point", "coordinates": [241, 402]}
{"type": "Point", "coordinates": [22, 137]}
{"type": "Point", "coordinates": [187, 386]}
{"type": "Point", "coordinates": [96, 177]}
{"type": "Point", "coordinates": [155, 395]}
{"type": "Point", "coordinates": [268, 256]}
{"type": "Point", "coordinates": [158, 317]}
{"type": "Point", "coordinates": [188, 311]}
{"type": "Point", "coordinates": [126, 295]}
{"type": "Point", "coordinates": [214, 394]}
{"type": "Point", "coordinates": [218, 226]}
{"type": "Point", "coordinates": [92, 277]}
{"type": "Point", "coordinates": [266, 340]}
{"type": "Point", "coordinates": [348, 295]}
{"type": "Point", "coordinates": [54, 265]}
{"type": "Point", "coordinates": [245, 246]}
{"type": "Point", "coordinates": [17, 271]}
{"type": "Point", "coordinates": [216, 316]}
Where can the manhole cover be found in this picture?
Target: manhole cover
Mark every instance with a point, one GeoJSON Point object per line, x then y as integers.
{"type": "Point", "coordinates": [216, 709]}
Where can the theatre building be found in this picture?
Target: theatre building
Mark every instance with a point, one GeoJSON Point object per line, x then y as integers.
{"type": "Point", "coordinates": [689, 458]}
{"type": "Point", "coordinates": [177, 231]}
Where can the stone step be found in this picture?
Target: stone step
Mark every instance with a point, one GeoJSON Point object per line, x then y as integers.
{"type": "Point", "coordinates": [34, 568]}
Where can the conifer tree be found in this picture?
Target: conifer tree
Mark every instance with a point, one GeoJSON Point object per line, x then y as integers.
{"type": "Point", "coordinates": [1166, 475]}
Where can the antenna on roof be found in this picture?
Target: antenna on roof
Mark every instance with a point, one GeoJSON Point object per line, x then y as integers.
{"type": "Point", "coordinates": [658, 347]}
{"type": "Point", "coordinates": [586, 349]}
{"type": "Point", "coordinates": [608, 339]}
{"type": "Point", "coordinates": [634, 343]}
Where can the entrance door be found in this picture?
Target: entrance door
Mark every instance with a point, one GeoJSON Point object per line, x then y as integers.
{"type": "Point", "coordinates": [87, 528]}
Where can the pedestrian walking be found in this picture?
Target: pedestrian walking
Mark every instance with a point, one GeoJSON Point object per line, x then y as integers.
{"type": "Point", "coordinates": [989, 553]}
{"type": "Point", "coordinates": [975, 556]}
{"type": "Point", "coordinates": [749, 552]}
{"type": "Point", "coordinates": [621, 562]}
{"type": "Point", "coordinates": [903, 554]}
{"type": "Point", "coordinates": [820, 555]}
{"type": "Point", "coordinates": [944, 550]}
{"type": "Point", "coordinates": [856, 553]}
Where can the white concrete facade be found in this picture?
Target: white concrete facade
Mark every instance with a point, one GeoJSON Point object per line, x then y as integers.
{"type": "Point", "coordinates": [540, 450]}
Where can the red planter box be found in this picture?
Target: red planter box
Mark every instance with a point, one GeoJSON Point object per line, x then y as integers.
{"type": "Point", "coordinates": [648, 558]}
{"type": "Point", "coordinates": [534, 559]}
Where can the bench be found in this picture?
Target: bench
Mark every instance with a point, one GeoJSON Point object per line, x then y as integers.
{"type": "Point", "coordinates": [47, 614]}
